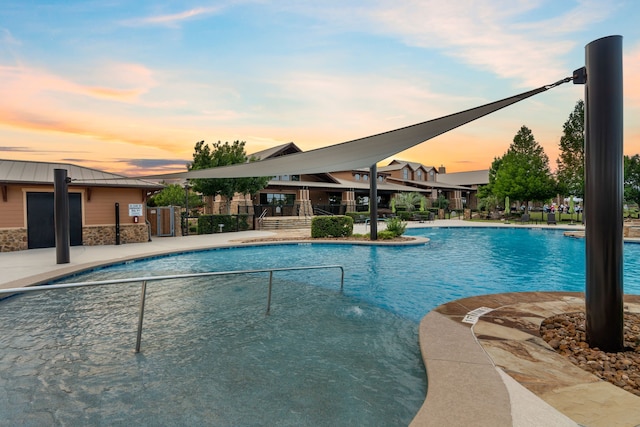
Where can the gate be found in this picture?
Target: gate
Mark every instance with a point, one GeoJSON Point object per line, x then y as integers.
{"type": "Point", "coordinates": [162, 221]}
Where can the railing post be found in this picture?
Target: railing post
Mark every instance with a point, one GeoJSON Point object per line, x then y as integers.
{"type": "Point", "coordinates": [143, 295]}
{"type": "Point", "coordinates": [269, 295]}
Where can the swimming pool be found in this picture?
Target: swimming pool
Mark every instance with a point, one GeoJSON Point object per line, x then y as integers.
{"type": "Point", "coordinates": [211, 357]}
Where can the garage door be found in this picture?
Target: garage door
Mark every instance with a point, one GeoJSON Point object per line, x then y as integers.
{"type": "Point", "coordinates": [41, 226]}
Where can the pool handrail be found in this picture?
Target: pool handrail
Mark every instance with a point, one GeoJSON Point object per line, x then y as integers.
{"type": "Point", "coordinates": [145, 279]}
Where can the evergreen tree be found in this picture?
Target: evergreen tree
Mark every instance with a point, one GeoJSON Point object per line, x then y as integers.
{"type": "Point", "coordinates": [523, 172]}
{"type": "Point", "coordinates": [486, 191]}
{"type": "Point", "coordinates": [570, 163]}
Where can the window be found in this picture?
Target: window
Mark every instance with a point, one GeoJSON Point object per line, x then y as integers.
{"type": "Point", "coordinates": [277, 199]}
{"type": "Point", "coordinates": [380, 178]}
{"type": "Point", "coordinates": [365, 177]}
{"type": "Point", "coordinates": [287, 178]}
{"type": "Point", "coordinates": [405, 173]}
{"type": "Point", "coordinates": [419, 174]}
{"type": "Point", "coordinates": [357, 176]}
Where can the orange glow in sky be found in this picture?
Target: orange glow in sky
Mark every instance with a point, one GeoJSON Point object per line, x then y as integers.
{"type": "Point", "coordinates": [130, 88]}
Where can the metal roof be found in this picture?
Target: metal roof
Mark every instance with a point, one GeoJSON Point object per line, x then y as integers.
{"type": "Point", "coordinates": [27, 172]}
{"type": "Point", "coordinates": [480, 177]}
{"type": "Point", "coordinates": [399, 164]}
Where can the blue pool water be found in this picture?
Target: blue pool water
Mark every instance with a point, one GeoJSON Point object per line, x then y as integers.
{"type": "Point", "coordinates": [211, 357]}
{"type": "Point", "coordinates": [412, 280]}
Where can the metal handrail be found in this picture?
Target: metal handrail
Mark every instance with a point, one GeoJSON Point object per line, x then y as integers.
{"type": "Point", "coordinates": [146, 279]}
{"type": "Point", "coordinates": [262, 215]}
{"type": "Point", "coordinates": [320, 211]}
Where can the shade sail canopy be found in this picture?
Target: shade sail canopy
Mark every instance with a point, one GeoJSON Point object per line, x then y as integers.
{"type": "Point", "coordinates": [355, 154]}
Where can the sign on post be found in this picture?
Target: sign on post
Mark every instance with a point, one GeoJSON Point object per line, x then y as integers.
{"type": "Point", "coordinates": [135, 209]}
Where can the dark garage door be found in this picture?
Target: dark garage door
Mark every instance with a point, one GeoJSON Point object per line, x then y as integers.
{"type": "Point", "coordinates": [40, 225]}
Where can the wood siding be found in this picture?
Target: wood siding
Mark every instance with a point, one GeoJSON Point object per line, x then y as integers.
{"type": "Point", "coordinates": [99, 208]}
{"type": "Point", "coordinates": [12, 212]}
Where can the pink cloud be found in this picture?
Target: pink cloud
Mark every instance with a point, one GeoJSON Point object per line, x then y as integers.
{"type": "Point", "coordinates": [29, 85]}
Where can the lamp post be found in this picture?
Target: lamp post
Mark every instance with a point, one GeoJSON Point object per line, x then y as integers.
{"type": "Point", "coordinates": [186, 205]}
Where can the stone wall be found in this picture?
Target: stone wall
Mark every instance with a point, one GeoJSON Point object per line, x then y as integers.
{"type": "Point", "coordinates": [631, 229]}
{"type": "Point", "coordinates": [13, 239]}
{"type": "Point", "coordinates": [106, 235]}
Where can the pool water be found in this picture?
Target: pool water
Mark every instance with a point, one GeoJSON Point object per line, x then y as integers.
{"type": "Point", "coordinates": [210, 356]}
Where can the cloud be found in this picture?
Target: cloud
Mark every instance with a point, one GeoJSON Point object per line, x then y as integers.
{"type": "Point", "coordinates": [19, 84]}
{"type": "Point", "coordinates": [16, 149]}
{"type": "Point", "coordinates": [497, 36]}
{"type": "Point", "coordinates": [94, 127]}
{"type": "Point", "coordinates": [156, 163]}
{"type": "Point", "coordinates": [6, 38]}
{"type": "Point", "coordinates": [345, 101]}
{"type": "Point", "coordinates": [173, 19]}
{"type": "Point", "coordinates": [35, 150]}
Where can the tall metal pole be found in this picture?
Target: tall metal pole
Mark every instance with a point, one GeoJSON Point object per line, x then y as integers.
{"type": "Point", "coordinates": [604, 194]}
{"type": "Point", "coordinates": [117, 211]}
{"type": "Point", "coordinates": [186, 204]}
{"type": "Point", "coordinates": [373, 202]}
{"type": "Point", "coordinates": [61, 215]}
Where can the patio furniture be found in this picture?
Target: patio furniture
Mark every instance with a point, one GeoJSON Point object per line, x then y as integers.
{"type": "Point", "coordinates": [525, 218]}
{"type": "Point", "coordinates": [551, 218]}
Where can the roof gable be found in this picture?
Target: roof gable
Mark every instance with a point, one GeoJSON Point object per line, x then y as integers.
{"type": "Point", "coordinates": [20, 171]}
{"type": "Point", "coordinates": [277, 151]}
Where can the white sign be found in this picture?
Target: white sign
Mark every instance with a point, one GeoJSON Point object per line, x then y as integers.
{"type": "Point", "coordinates": [135, 209]}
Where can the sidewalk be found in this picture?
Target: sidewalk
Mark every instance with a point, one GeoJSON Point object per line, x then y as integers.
{"type": "Point", "coordinates": [33, 266]}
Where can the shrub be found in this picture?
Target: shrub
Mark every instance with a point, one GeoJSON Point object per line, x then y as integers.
{"type": "Point", "coordinates": [405, 215]}
{"type": "Point", "coordinates": [386, 235]}
{"type": "Point", "coordinates": [396, 226]}
{"type": "Point", "coordinates": [331, 226]}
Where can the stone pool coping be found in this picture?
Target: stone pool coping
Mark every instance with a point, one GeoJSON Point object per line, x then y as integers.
{"type": "Point", "coordinates": [498, 371]}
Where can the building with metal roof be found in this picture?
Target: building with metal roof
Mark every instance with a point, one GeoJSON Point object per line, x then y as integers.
{"type": "Point", "coordinates": [96, 198]}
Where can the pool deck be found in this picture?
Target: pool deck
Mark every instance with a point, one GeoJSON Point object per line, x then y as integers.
{"type": "Point", "coordinates": [487, 367]}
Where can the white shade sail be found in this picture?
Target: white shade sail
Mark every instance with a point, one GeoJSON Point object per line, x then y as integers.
{"type": "Point", "coordinates": [359, 153]}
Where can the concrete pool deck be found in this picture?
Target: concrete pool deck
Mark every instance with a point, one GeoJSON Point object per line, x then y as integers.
{"type": "Point", "coordinates": [494, 372]}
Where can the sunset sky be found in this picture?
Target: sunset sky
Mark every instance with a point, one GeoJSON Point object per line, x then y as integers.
{"type": "Point", "coordinates": [130, 86]}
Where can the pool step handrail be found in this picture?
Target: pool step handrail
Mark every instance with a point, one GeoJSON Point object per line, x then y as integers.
{"type": "Point", "coordinates": [144, 280]}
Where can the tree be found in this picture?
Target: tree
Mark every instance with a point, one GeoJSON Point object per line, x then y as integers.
{"type": "Point", "coordinates": [486, 191]}
{"type": "Point", "coordinates": [174, 195]}
{"type": "Point", "coordinates": [570, 173]}
{"type": "Point", "coordinates": [224, 155]}
{"type": "Point", "coordinates": [408, 200]}
{"type": "Point", "coordinates": [523, 171]}
{"type": "Point", "coordinates": [632, 179]}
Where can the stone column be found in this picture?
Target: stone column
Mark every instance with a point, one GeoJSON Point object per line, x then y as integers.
{"type": "Point", "coordinates": [303, 203]}
{"type": "Point", "coordinates": [456, 200]}
{"type": "Point", "coordinates": [349, 200]}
